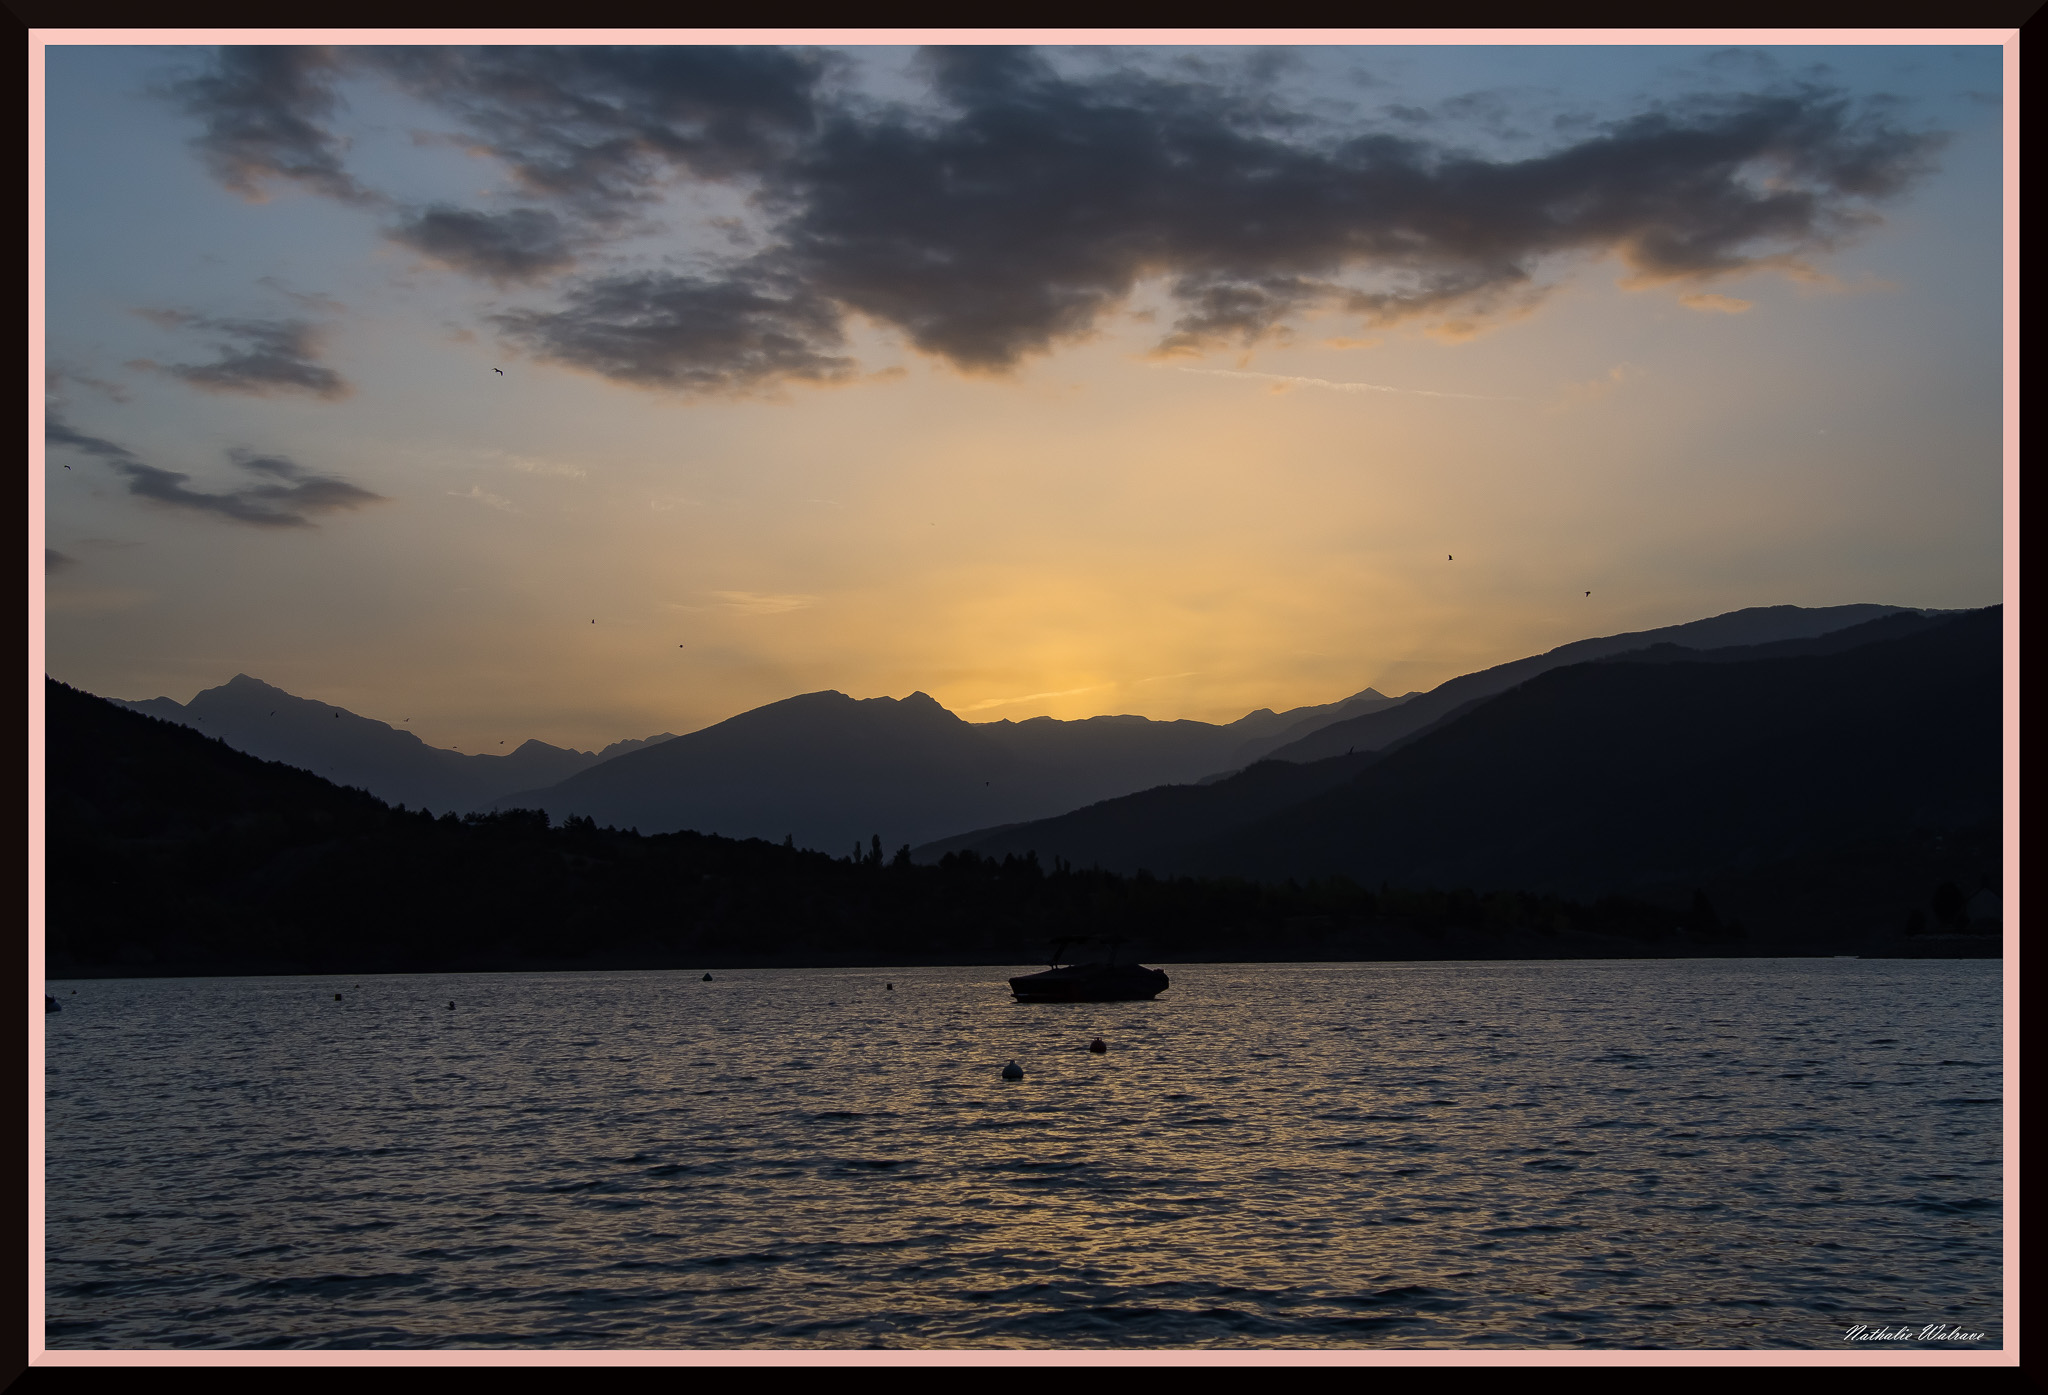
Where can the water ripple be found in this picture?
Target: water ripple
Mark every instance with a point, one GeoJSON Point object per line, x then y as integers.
{"type": "Point", "coordinates": [1709, 1154]}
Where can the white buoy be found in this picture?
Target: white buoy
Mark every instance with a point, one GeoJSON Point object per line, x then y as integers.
{"type": "Point", "coordinates": [1013, 1071]}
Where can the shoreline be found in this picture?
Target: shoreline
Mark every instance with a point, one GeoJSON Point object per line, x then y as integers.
{"type": "Point", "coordinates": [626, 963]}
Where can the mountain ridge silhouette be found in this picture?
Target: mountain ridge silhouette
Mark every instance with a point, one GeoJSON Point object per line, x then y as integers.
{"type": "Point", "coordinates": [1753, 625]}
{"type": "Point", "coordinates": [265, 721]}
{"type": "Point", "coordinates": [1628, 771]}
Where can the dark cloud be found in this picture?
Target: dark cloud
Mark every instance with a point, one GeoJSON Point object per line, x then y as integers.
{"type": "Point", "coordinates": [597, 127]}
{"type": "Point", "coordinates": [283, 500]}
{"type": "Point", "coordinates": [283, 504]}
{"type": "Point", "coordinates": [520, 245]}
{"type": "Point", "coordinates": [55, 561]}
{"type": "Point", "coordinates": [662, 329]}
{"type": "Point", "coordinates": [1042, 203]}
{"type": "Point", "coordinates": [254, 356]}
{"type": "Point", "coordinates": [263, 110]}
{"type": "Point", "coordinates": [276, 466]}
{"type": "Point", "coordinates": [1247, 311]}
{"type": "Point", "coordinates": [57, 432]}
{"type": "Point", "coordinates": [1021, 206]}
{"type": "Point", "coordinates": [595, 130]}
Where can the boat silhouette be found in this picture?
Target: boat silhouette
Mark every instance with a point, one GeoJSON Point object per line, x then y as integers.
{"type": "Point", "coordinates": [1095, 982]}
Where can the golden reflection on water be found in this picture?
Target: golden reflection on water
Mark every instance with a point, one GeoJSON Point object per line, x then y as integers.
{"type": "Point", "coordinates": [1716, 1153]}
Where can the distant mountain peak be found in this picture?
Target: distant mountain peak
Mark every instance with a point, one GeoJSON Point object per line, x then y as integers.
{"type": "Point", "coordinates": [918, 704]}
{"type": "Point", "coordinates": [535, 746]}
{"type": "Point", "coordinates": [394, 763]}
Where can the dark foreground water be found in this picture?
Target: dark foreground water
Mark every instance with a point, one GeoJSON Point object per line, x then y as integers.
{"type": "Point", "coordinates": [1715, 1153]}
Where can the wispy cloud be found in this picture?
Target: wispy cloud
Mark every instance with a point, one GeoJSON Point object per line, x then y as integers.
{"type": "Point", "coordinates": [311, 300]}
{"type": "Point", "coordinates": [478, 494]}
{"type": "Point", "coordinates": [552, 469]}
{"type": "Point", "coordinates": [1325, 383]}
{"type": "Point", "coordinates": [755, 603]}
{"type": "Point", "coordinates": [987, 703]}
{"type": "Point", "coordinates": [281, 504]}
{"type": "Point", "coordinates": [287, 494]}
{"type": "Point", "coordinates": [1592, 390]}
{"type": "Point", "coordinates": [57, 377]}
{"type": "Point", "coordinates": [253, 356]}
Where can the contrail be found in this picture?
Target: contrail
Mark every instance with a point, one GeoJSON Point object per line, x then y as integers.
{"type": "Point", "coordinates": [1346, 387]}
{"type": "Point", "coordinates": [1028, 697]}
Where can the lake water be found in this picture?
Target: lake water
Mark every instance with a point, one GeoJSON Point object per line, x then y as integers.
{"type": "Point", "coordinates": [1700, 1154]}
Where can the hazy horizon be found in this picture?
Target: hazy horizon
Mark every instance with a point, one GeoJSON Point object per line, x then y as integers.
{"type": "Point", "coordinates": [1077, 382]}
{"type": "Point", "coordinates": [971, 717]}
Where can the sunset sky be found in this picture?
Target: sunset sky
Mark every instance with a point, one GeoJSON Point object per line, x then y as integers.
{"type": "Point", "coordinates": [1159, 380]}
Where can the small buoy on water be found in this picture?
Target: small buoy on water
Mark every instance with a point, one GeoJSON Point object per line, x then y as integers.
{"type": "Point", "coordinates": [451, 1002]}
{"type": "Point", "coordinates": [890, 986]}
{"type": "Point", "coordinates": [1013, 1071]}
{"type": "Point", "coordinates": [706, 978]}
{"type": "Point", "coordinates": [337, 997]}
{"type": "Point", "coordinates": [1098, 1046]}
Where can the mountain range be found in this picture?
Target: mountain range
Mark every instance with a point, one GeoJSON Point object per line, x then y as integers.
{"type": "Point", "coordinates": [360, 752]}
{"type": "Point", "coordinates": [825, 770]}
{"type": "Point", "coordinates": [1628, 772]}
{"type": "Point", "coordinates": [1757, 625]}
{"type": "Point", "coordinates": [1840, 794]}
{"type": "Point", "coordinates": [822, 767]}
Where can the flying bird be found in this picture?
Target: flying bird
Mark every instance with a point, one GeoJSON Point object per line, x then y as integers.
{"type": "Point", "coordinates": [499, 371]}
{"type": "Point", "coordinates": [1449, 558]}
{"type": "Point", "coordinates": [1589, 593]}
